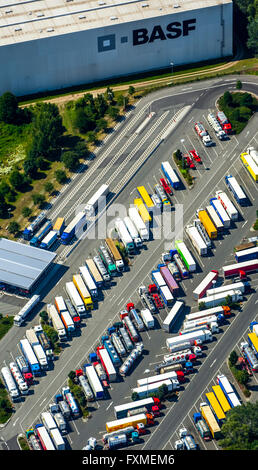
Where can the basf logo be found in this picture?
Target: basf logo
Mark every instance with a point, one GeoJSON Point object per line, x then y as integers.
{"type": "Point", "coordinates": [143, 35]}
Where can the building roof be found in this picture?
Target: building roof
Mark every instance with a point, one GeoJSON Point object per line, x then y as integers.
{"type": "Point", "coordinates": [27, 20]}
{"type": "Point", "coordinates": [21, 265]}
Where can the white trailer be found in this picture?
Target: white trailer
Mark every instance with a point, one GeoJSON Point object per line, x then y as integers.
{"type": "Point", "coordinates": [201, 289]}
{"type": "Point", "coordinates": [124, 235]}
{"type": "Point", "coordinates": [200, 322]}
{"type": "Point", "coordinates": [193, 337]}
{"type": "Point", "coordinates": [89, 281]}
{"type": "Point", "coordinates": [98, 197]}
{"type": "Point", "coordinates": [215, 218]}
{"type": "Point", "coordinates": [197, 240]}
{"type": "Point", "coordinates": [44, 438]}
{"type": "Point", "coordinates": [22, 385]}
{"type": "Point", "coordinates": [32, 337]}
{"type": "Point", "coordinates": [75, 297]}
{"type": "Point", "coordinates": [172, 316]}
{"type": "Point", "coordinates": [224, 217]}
{"type": "Point", "coordinates": [204, 313]}
{"type": "Point", "coordinates": [227, 204]}
{"type": "Point", "coordinates": [60, 304]}
{"type": "Point", "coordinates": [185, 255]}
{"type": "Point", "coordinates": [133, 231]}
{"type": "Point", "coordinates": [48, 420]}
{"type": "Point", "coordinates": [57, 439]}
{"type": "Point", "coordinates": [147, 390]}
{"type": "Point", "coordinates": [217, 290]}
{"type": "Point", "coordinates": [138, 222]}
{"type": "Point", "coordinates": [56, 321]}
{"type": "Point", "coordinates": [172, 375]}
{"type": "Point", "coordinates": [10, 383]}
{"type": "Point", "coordinates": [107, 364]}
{"type": "Point", "coordinates": [158, 279]}
{"type": "Point", "coordinates": [94, 382]}
{"type": "Point", "coordinates": [41, 356]}
{"type": "Point", "coordinates": [217, 299]}
{"type": "Point", "coordinates": [20, 317]}
{"type": "Point", "coordinates": [86, 388]}
{"type": "Point", "coordinates": [147, 318]}
{"type": "Point", "coordinates": [166, 295]}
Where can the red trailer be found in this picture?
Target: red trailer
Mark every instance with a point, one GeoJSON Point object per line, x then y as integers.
{"type": "Point", "coordinates": [238, 269]}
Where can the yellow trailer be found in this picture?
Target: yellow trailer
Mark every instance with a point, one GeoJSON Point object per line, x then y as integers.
{"type": "Point", "coordinates": [210, 419]}
{"type": "Point", "coordinates": [250, 165]}
{"type": "Point", "coordinates": [125, 422]}
{"type": "Point", "coordinates": [146, 217]}
{"type": "Point", "coordinates": [216, 408]}
{"type": "Point", "coordinates": [83, 291]}
{"type": "Point", "coordinates": [59, 225]}
{"type": "Point", "coordinates": [145, 196]}
{"type": "Point", "coordinates": [208, 224]}
{"type": "Point", "coordinates": [221, 398]}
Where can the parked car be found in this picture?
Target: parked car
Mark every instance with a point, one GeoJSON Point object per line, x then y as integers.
{"type": "Point", "coordinates": [195, 156]}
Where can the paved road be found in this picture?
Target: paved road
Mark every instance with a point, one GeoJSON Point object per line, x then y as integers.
{"type": "Point", "coordinates": [218, 161]}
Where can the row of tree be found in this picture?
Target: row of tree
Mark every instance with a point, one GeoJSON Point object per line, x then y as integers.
{"type": "Point", "coordinates": [249, 8]}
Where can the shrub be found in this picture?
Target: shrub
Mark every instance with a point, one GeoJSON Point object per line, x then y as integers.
{"type": "Point", "coordinates": [38, 199]}
{"type": "Point", "coordinates": [49, 187]}
{"type": "Point", "coordinates": [60, 176]}
{"type": "Point", "coordinates": [26, 212]}
{"type": "Point", "coordinates": [13, 227]}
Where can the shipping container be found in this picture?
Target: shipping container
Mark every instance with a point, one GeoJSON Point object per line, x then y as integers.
{"type": "Point", "coordinates": [216, 408]}
{"type": "Point", "coordinates": [166, 295]}
{"type": "Point", "coordinates": [170, 281]}
{"type": "Point", "coordinates": [209, 418]}
{"type": "Point", "coordinates": [145, 215]}
{"type": "Point", "coordinates": [221, 398]}
{"type": "Point", "coordinates": [145, 196]}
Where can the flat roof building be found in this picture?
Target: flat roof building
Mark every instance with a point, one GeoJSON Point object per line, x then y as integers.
{"type": "Point", "coordinates": [22, 265]}
{"type": "Point", "coordinates": [60, 43]}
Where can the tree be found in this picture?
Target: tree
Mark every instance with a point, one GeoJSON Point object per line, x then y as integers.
{"type": "Point", "coordinates": [233, 358]}
{"type": "Point", "coordinates": [227, 98]}
{"type": "Point", "coordinates": [8, 108]}
{"type": "Point", "coordinates": [3, 206]}
{"type": "Point", "coordinates": [60, 176]}
{"type": "Point", "coordinates": [49, 187]}
{"type": "Point", "coordinates": [44, 316]}
{"type": "Point", "coordinates": [109, 95]}
{"type": "Point", "coordinates": [228, 300]}
{"type": "Point", "coordinates": [4, 189]}
{"type": "Point", "coordinates": [252, 42]}
{"type": "Point", "coordinates": [82, 121]}
{"type": "Point", "coordinates": [81, 149]}
{"type": "Point", "coordinates": [131, 90]}
{"type": "Point", "coordinates": [13, 227]}
{"type": "Point", "coordinates": [101, 125]}
{"type": "Point", "coordinates": [30, 167]}
{"type": "Point", "coordinates": [26, 211]}
{"type": "Point", "coordinates": [92, 138]}
{"type": "Point", "coordinates": [70, 160]}
{"type": "Point", "coordinates": [72, 375]}
{"type": "Point", "coordinates": [16, 179]}
{"type": "Point", "coordinates": [135, 396]}
{"type": "Point", "coordinates": [38, 199]}
{"type": "Point", "coordinates": [122, 100]}
{"type": "Point", "coordinates": [244, 113]}
{"type": "Point", "coordinates": [113, 112]}
{"type": "Point", "coordinates": [239, 85]}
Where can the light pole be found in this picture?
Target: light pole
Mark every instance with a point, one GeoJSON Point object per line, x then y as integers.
{"type": "Point", "coordinates": [172, 65]}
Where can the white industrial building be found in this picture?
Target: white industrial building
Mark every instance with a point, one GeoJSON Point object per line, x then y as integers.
{"type": "Point", "coordinates": [53, 44]}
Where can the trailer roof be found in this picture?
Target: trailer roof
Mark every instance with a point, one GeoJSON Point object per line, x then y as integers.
{"type": "Point", "coordinates": [21, 264]}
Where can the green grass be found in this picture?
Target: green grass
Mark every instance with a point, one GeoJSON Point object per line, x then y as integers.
{"type": "Point", "coordinates": [5, 324]}
{"type": "Point", "coordinates": [11, 138]}
{"type": "Point", "coordinates": [23, 443]}
{"type": "Point", "coordinates": [5, 412]}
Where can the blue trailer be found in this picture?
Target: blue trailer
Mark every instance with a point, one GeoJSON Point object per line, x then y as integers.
{"type": "Point", "coordinates": [34, 226]}
{"type": "Point", "coordinates": [170, 174]}
{"type": "Point", "coordinates": [182, 269]}
{"type": "Point", "coordinates": [246, 255]}
{"type": "Point", "coordinates": [111, 351]}
{"type": "Point", "coordinates": [225, 219]}
{"type": "Point", "coordinates": [236, 189]}
{"type": "Point", "coordinates": [49, 240]}
{"type": "Point", "coordinates": [31, 357]}
{"type": "Point", "coordinates": [75, 226]}
{"type": "Point", "coordinates": [42, 234]}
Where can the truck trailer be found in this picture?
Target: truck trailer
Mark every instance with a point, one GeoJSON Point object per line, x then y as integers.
{"type": "Point", "coordinates": [138, 222]}
{"type": "Point", "coordinates": [208, 224]}
{"type": "Point", "coordinates": [227, 204]}
{"type": "Point", "coordinates": [202, 335]}
{"type": "Point", "coordinates": [75, 298]}
{"type": "Point", "coordinates": [236, 190]}
{"type": "Point", "coordinates": [217, 299]}
{"type": "Point", "coordinates": [196, 240]}
{"type": "Point", "coordinates": [185, 255]}
{"type": "Point", "coordinates": [205, 284]}
{"type": "Point", "coordinates": [172, 316]}
{"type": "Point", "coordinates": [239, 269]}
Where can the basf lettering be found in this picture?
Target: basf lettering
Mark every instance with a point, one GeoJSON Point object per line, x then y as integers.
{"type": "Point", "coordinates": [173, 30]}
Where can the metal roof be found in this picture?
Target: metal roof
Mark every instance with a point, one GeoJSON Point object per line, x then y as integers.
{"type": "Point", "coordinates": [28, 20]}
{"type": "Point", "coordinates": [21, 265]}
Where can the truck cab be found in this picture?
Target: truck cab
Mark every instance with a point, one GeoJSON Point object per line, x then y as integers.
{"type": "Point", "coordinates": [179, 445]}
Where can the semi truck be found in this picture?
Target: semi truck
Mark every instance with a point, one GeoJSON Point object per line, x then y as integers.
{"type": "Point", "coordinates": [114, 252]}
{"type": "Point", "coordinates": [225, 385]}
{"type": "Point", "coordinates": [49, 240]}
{"type": "Point", "coordinates": [41, 356]}
{"type": "Point", "coordinates": [124, 236]}
{"type": "Point", "coordinates": [70, 400]}
{"type": "Point", "coordinates": [218, 392]}
{"type": "Point", "coordinates": [181, 357]}
{"type": "Point", "coordinates": [57, 439]}
{"type": "Point", "coordinates": [170, 281]}
{"type": "Point", "coordinates": [147, 318]}
{"type": "Point", "coordinates": [202, 231]}
{"type": "Point", "coordinates": [194, 337]}
{"type": "Point", "coordinates": [94, 381]}
{"type": "Point", "coordinates": [43, 340]}
{"type": "Point", "coordinates": [236, 190]}
{"type": "Point", "coordinates": [118, 345]}
{"type": "Point", "coordinates": [203, 134]}
{"type": "Point", "coordinates": [125, 338]}
{"type": "Point", "coordinates": [75, 298]}
{"type": "Point", "coordinates": [35, 241]}
{"type": "Point", "coordinates": [159, 191]}
{"type": "Point", "coordinates": [158, 279]}
{"type": "Point", "coordinates": [84, 294]}
{"type": "Point", "coordinates": [172, 316]}
{"type": "Point", "coordinates": [59, 226]}
{"type": "Point", "coordinates": [23, 313]}
{"type": "Point", "coordinates": [166, 295]}
{"type": "Point", "coordinates": [185, 255]}
{"type": "Point", "coordinates": [135, 317]}
{"type": "Point", "coordinates": [138, 222]}
{"type": "Point", "coordinates": [241, 285]}
{"type": "Point", "coordinates": [107, 260]}
{"type": "Point", "coordinates": [220, 133]}
{"type": "Point", "coordinates": [130, 328]}
{"type": "Point", "coordinates": [44, 437]}
{"type": "Point", "coordinates": [250, 164]}
{"type": "Point", "coordinates": [32, 337]}
{"type": "Point", "coordinates": [107, 363]}
{"type": "Point", "coordinates": [10, 384]}
{"type": "Point", "coordinates": [184, 272]}
{"type": "Point", "coordinates": [86, 388]}
{"type": "Point", "coordinates": [131, 359]}
{"type": "Point", "coordinates": [102, 268]}
{"type": "Point", "coordinates": [216, 408]}
{"type": "Point", "coordinates": [151, 403]}
{"type": "Point", "coordinates": [173, 268]}
{"type": "Point", "coordinates": [146, 419]}
{"type": "Point", "coordinates": [146, 390]}
{"type": "Point", "coordinates": [217, 299]}
{"type": "Point", "coordinates": [111, 350]}
{"type": "Point", "coordinates": [211, 421]}
{"type": "Point", "coordinates": [240, 269]}
{"type": "Point", "coordinates": [146, 298]}
{"type": "Point", "coordinates": [98, 198]}
{"type": "Point", "coordinates": [75, 227]}
{"type": "Point", "coordinates": [202, 427]}
{"type": "Point", "coordinates": [224, 122]}
{"type": "Point", "coordinates": [97, 277]}
{"type": "Point", "coordinates": [162, 368]}
{"type": "Point", "coordinates": [133, 231]}
{"type": "Point", "coordinates": [171, 375]}
{"type": "Point", "coordinates": [90, 283]}
{"type": "Point", "coordinates": [145, 215]}
{"type": "Point", "coordinates": [208, 224]}
{"type": "Point", "coordinates": [210, 322]}
{"type": "Point", "coordinates": [34, 226]}
{"type": "Point", "coordinates": [18, 377]}
{"type": "Point", "coordinates": [223, 215]}
{"type": "Point", "coordinates": [246, 255]}
{"type": "Point", "coordinates": [215, 218]}
{"type": "Point", "coordinates": [196, 240]}
{"type": "Point", "coordinates": [170, 174]}
{"type": "Point", "coordinates": [28, 352]}
{"type": "Point", "coordinates": [24, 368]}
{"type": "Point", "coordinates": [250, 356]}
{"type": "Point", "coordinates": [205, 284]}
{"type": "Point", "coordinates": [245, 246]}
{"type": "Point", "coordinates": [56, 322]}
{"type": "Point", "coordinates": [48, 420]}
{"type": "Point", "coordinates": [227, 204]}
